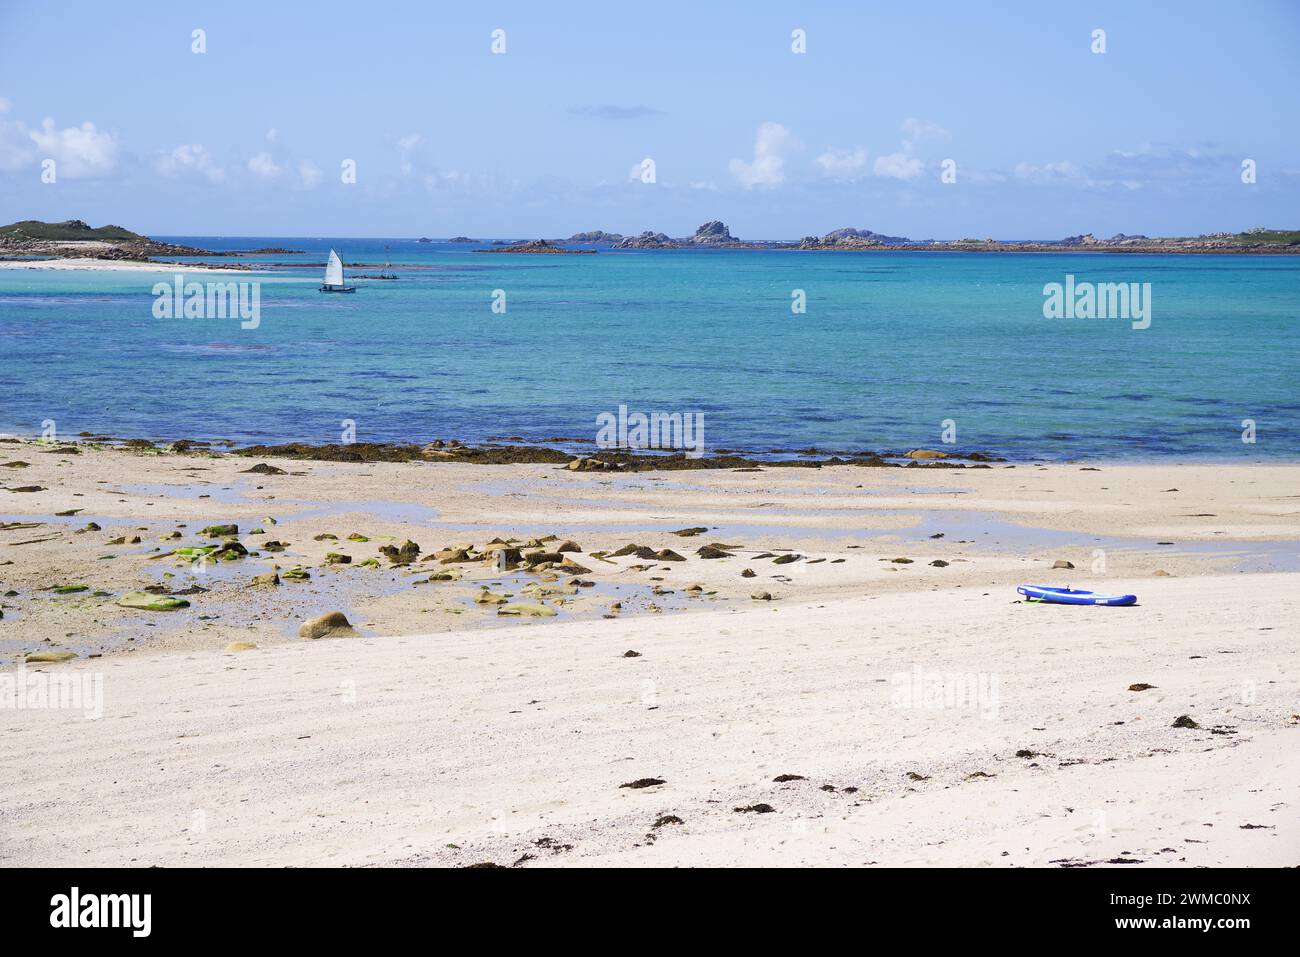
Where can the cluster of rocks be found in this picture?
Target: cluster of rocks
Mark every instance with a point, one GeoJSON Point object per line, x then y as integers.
{"type": "Point", "coordinates": [534, 246]}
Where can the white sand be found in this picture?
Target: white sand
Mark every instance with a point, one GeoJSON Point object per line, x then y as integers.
{"type": "Point", "coordinates": [382, 751]}
{"type": "Point", "coordinates": [113, 265]}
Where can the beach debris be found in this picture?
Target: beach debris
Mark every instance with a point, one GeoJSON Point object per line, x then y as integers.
{"type": "Point", "coordinates": [28, 488]}
{"type": "Point", "coordinates": [52, 657]}
{"type": "Point", "coordinates": [220, 531]}
{"type": "Point", "coordinates": [631, 654]}
{"type": "Point", "coordinates": [1026, 753]}
{"type": "Point", "coordinates": [368, 563]}
{"type": "Point", "coordinates": [643, 783]}
{"type": "Point", "coordinates": [17, 465]}
{"type": "Point", "coordinates": [1062, 563]}
{"type": "Point", "coordinates": [975, 775]}
{"type": "Point", "coordinates": [937, 535]}
{"type": "Point", "coordinates": [711, 551]}
{"type": "Point", "coordinates": [325, 537]}
{"type": "Point", "coordinates": [332, 624]}
{"type": "Point", "coordinates": [755, 809]}
{"type": "Point", "coordinates": [144, 601]}
{"type": "Point", "coordinates": [761, 596]}
{"type": "Point", "coordinates": [690, 532]}
{"type": "Point", "coordinates": [1185, 721]}
{"type": "Point", "coordinates": [748, 573]}
{"type": "Point", "coordinates": [68, 512]}
{"type": "Point", "coordinates": [938, 563]}
{"type": "Point", "coordinates": [666, 819]}
{"type": "Point", "coordinates": [526, 609]}
{"type": "Point", "coordinates": [925, 454]}
{"type": "Point", "coordinates": [914, 776]}
{"type": "Point", "coordinates": [782, 778]}
{"type": "Point", "coordinates": [241, 646]}
{"type": "Point", "coordinates": [403, 555]}
{"type": "Point", "coordinates": [1140, 686]}
{"type": "Point", "coordinates": [261, 468]}
{"type": "Point", "coordinates": [69, 589]}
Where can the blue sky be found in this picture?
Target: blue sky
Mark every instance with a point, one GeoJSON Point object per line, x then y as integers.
{"type": "Point", "coordinates": [1049, 138]}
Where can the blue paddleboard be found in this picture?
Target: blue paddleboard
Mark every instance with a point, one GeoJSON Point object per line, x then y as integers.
{"type": "Point", "coordinates": [1072, 596]}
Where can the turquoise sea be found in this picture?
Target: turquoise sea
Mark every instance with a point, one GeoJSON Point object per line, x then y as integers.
{"type": "Point", "coordinates": [891, 346]}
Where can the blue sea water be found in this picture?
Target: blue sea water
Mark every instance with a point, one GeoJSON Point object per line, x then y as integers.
{"type": "Point", "coordinates": [891, 346]}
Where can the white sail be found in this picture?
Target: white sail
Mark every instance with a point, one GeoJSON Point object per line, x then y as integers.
{"type": "Point", "coordinates": [334, 270]}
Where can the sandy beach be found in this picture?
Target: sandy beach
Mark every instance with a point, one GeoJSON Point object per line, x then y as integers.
{"type": "Point", "coordinates": [926, 715]}
{"type": "Point", "coordinates": [113, 265]}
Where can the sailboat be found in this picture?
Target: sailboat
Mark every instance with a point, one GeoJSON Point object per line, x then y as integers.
{"type": "Point", "coordinates": [388, 267]}
{"type": "Point", "coordinates": [334, 275]}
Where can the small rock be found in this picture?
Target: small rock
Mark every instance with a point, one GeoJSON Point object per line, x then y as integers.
{"type": "Point", "coordinates": [49, 657]}
{"type": "Point", "coordinates": [1140, 686]}
{"type": "Point", "coordinates": [332, 624]}
{"type": "Point", "coordinates": [1185, 721]}
{"type": "Point", "coordinates": [146, 602]}
{"type": "Point", "coordinates": [1062, 563]}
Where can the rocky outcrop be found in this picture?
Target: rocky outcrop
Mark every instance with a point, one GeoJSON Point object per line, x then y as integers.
{"type": "Point", "coordinates": [535, 246]}
{"type": "Point", "coordinates": [713, 233]}
{"type": "Point", "coordinates": [648, 240]}
{"type": "Point", "coordinates": [596, 236]}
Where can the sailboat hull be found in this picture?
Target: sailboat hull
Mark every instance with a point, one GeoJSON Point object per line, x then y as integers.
{"type": "Point", "coordinates": [338, 288]}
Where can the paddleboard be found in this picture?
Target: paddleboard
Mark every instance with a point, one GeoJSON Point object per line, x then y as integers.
{"type": "Point", "coordinates": [1072, 596]}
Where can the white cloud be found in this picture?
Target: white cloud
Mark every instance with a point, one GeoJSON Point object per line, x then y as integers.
{"type": "Point", "coordinates": [898, 166]}
{"type": "Point", "coordinates": [16, 150]}
{"type": "Point", "coordinates": [189, 158]}
{"type": "Point", "coordinates": [265, 166]}
{"type": "Point", "coordinates": [917, 131]}
{"type": "Point", "coordinates": [81, 152]}
{"type": "Point", "coordinates": [843, 164]}
{"type": "Point", "coordinates": [406, 144]}
{"type": "Point", "coordinates": [309, 174]}
{"type": "Point", "coordinates": [772, 143]}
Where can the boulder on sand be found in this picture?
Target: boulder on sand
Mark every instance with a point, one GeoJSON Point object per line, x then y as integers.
{"type": "Point", "coordinates": [332, 624]}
